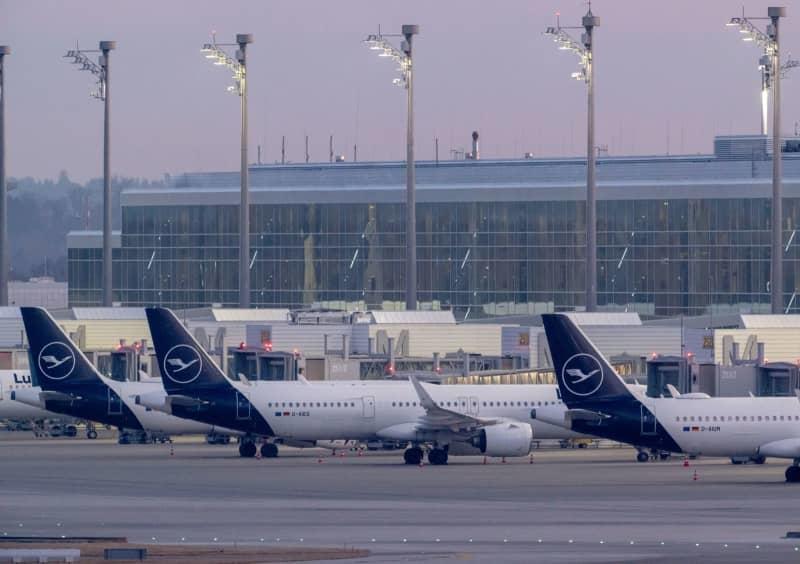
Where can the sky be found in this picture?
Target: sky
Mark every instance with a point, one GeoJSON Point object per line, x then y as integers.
{"type": "Point", "coordinates": [669, 76]}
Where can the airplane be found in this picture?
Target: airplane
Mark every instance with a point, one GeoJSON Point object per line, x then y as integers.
{"type": "Point", "coordinates": [12, 381]}
{"type": "Point", "coordinates": [491, 419]}
{"type": "Point", "coordinates": [71, 385]}
{"type": "Point", "coordinates": [694, 424]}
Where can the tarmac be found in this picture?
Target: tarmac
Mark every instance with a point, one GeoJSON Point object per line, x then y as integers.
{"type": "Point", "coordinates": [589, 505]}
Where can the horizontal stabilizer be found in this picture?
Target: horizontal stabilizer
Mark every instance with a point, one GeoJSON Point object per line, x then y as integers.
{"type": "Point", "coordinates": [585, 415]}
{"type": "Point", "coordinates": [56, 396]}
{"type": "Point", "coordinates": [185, 401]}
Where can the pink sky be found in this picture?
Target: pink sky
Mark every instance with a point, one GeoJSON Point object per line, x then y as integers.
{"type": "Point", "coordinates": [665, 70]}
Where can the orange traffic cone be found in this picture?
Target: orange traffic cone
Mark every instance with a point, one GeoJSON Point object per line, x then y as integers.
{"type": "Point", "coordinates": [686, 462]}
{"type": "Point", "coordinates": [694, 476]}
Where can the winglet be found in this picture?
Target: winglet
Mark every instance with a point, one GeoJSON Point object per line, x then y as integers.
{"type": "Point", "coordinates": [673, 391]}
{"type": "Point", "coordinates": [425, 399]}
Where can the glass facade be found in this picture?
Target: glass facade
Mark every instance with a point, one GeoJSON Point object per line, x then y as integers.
{"type": "Point", "coordinates": [657, 257]}
{"type": "Point", "coordinates": [85, 276]}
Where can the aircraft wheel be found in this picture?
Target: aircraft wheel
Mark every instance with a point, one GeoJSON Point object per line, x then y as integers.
{"type": "Point", "coordinates": [247, 450]}
{"type": "Point", "coordinates": [759, 459]}
{"type": "Point", "coordinates": [413, 456]}
{"type": "Point", "coordinates": [664, 455]}
{"type": "Point", "coordinates": [91, 434]}
{"type": "Point", "coordinates": [269, 450]}
{"type": "Point", "coordinates": [793, 474]}
{"type": "Point", "coordinates": [437, 457]}
{"type": "Point", "coordinates": [642, 457]}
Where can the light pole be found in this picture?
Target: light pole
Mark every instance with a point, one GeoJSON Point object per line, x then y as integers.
{"type": "Point", "coordinates": [4, 260]}
{"type": "Point", "coordinates": [751, 33]}
{"type": "Point", "coordinates": [239, 68]}
{"type": "Point", "coordinates": [101, 71]}
{"type": "Point", "coordinates": [771, 66]}
{"type": "Point", "coordinates": [403, 58]}
{"type": "Point", "coordinates": [584, 50]}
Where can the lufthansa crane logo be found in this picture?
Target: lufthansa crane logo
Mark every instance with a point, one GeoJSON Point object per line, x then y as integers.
{"type": "Point", "coordinates": [56, 360]}
{"type": "Point", "coordinates": [182, 364]}
{"type": "Point", "coordinates": [582, 374]}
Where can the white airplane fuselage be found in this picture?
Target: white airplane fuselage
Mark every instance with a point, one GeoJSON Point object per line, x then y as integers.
{"type": "Point", "coordinates": [11, 381]}
{"type": "Point", "coordinates": [365, 409]}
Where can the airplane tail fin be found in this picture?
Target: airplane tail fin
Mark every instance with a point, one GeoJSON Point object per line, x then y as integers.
{"type": "Point", "coordinates": [55, 360]}
{"type": "Point", "coordinates": [183, 362]}
{"type": "Point", "coordinates": [583, 374]}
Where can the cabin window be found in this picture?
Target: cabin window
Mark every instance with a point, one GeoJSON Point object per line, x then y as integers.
{"type": "Point", "coordinates": [714, 418]}
{"type": "Point", "coordinates": [781, 417]}
{"type": "Point", "coordinates": [394, 404]}
{"type": "Point", "coordinates": [526, 403]}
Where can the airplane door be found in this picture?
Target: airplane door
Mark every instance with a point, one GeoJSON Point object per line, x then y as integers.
{"type": "Point", "coordinates": [242, 406]}
{"type": "Point", "coordinates": [114, 403]}
{"type": "Point", "coordinates": [649, 421]}
{"type": "Point", "coordinates": [368, 406]}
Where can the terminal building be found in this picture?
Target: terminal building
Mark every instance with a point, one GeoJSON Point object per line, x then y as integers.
{"type": "Point", "coordinates": [677, 235]}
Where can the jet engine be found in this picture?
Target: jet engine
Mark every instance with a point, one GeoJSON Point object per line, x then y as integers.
{"type": "Point", "coordinates": [508, 438]}
{"type": "Point", "coordinates": [785, 448]}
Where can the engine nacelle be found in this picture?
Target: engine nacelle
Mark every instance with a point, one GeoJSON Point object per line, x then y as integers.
{"type": "Point", "coordinates": [509, 438]}
{"type": "Point", "coordinates": [786, 448]}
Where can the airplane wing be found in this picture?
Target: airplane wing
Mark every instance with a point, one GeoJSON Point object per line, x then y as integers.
{"type": "Point", "coordinates": [437, 417]}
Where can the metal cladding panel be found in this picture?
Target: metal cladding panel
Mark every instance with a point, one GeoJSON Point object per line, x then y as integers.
{"type": "Point", "coordinates": [424, 340]}
{"type": "Point", "coordinates": [640, 341]}
{"type": "Point", "coordinates": [308, 339]}
{"type": "Point", "coordinates": [359, 342]}
{"type": "Point", "coordinates": [105, 334]}
{"type": "Point", "coordinates": [781, 344]}
{"type": "Point", "coordinates": [516, 341]}
{"type": "Point", "coordinates": [12, 332]}
{"type": "Point", "coordinates": [235, 333]}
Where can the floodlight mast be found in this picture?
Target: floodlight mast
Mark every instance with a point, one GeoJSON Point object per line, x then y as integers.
{"type": "Point", "coordinates": [403, 57]}
{"type": "Point", "coordinates": [4, 259]}
{"type": "Point", "coordinates": [585, 51]}
{"type": "Point", "coordinates": [101, 70]}
{"type": "Point", "coordinates": [238, 67]}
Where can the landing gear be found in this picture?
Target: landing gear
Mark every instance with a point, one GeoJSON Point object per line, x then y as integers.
{"type": "Point", "coordinates": [413, 456]}
{"type": "Point", "coordinates": [269, 450]}
{"type": "Point", "coordinates": [759, 459]}
{"type": "Point", "coordinates": [91, 433]}
{"type": "Point", "coordinates": [437, 456]}
{"type": "Point", "coordinates": [642, 456]}
{"type": "Point", "coordinates": [247, 449]}
{"type": "Point", "coordinates": [793, 472]}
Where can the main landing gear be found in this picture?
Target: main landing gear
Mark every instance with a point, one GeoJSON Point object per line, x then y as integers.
{"type": "Point", "coordinates": [793, 472]}
{"type": "Point", "coordinates": [654, 454]}
{"type": "Point", "coordinates": [438, 456]}
{"type": "Point", "coordinates": [413, 456]}
{"type": "Point", "coordinates": [269, 450]}
{"type": "Point", "coordinates": [247, 449]}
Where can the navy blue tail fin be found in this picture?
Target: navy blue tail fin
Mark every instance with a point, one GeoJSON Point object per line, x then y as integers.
{"type": "Point", "coordinates": [183, 362]}
{"type": "Point", "coordinates": [583, 374]}
{"type": "Point", "coordinates": [55, 360]}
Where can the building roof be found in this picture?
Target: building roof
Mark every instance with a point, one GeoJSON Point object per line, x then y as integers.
{"type": "Point", "coordinates": [654, 177]}
{"type": "Point", "coordinates": [769, 321]}
{"type": "Point", "coordinates": [604, 318]}
{"type": "Point", "coordinates": [117, 313]}
{"type": "Point", "coordinates": [412, 317]}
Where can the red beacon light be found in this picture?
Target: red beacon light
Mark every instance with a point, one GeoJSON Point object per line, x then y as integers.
{"type": "Point", "coordinates": [267, 346]}
{"type": "Point", "coordinates": [241, 345]}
